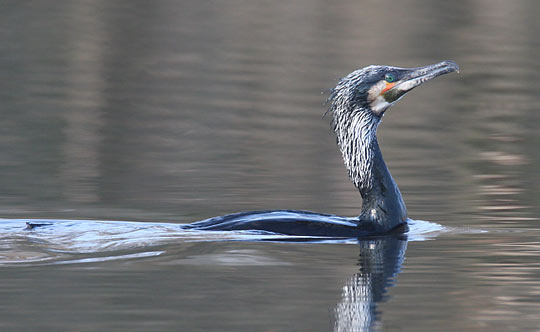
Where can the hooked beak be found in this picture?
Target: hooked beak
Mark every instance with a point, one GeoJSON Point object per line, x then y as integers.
{"type": "Point", "coordinates": [416, 76]}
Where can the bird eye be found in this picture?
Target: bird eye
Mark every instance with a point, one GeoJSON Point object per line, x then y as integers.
{"type": "Point", "coordinates": [389, 78]}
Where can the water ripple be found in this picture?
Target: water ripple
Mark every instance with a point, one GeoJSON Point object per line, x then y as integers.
{"type": "Point", "coordinates": [64, 241]}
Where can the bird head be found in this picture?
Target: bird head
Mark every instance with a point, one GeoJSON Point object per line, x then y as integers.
{"type": "Point", "coordinates": [376, 88]}
{"type": "Point", "coordinates": [358, 103]}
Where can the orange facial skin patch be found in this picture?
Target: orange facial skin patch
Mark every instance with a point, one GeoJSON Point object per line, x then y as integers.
{"type": "Point", "coordinates": [387, 87]}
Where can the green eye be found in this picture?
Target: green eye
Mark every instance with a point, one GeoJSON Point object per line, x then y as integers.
{"type": "Point", "coordinates": [389, 78]}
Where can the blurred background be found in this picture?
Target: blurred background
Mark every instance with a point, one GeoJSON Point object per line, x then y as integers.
{"type": "Point", "coordinates": [177, 111]}
{"type": "Point", "coordinates": [181, 110]}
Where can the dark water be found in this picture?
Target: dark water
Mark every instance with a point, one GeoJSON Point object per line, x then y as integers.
{"type": "Point", "coordinates": [168, 112]}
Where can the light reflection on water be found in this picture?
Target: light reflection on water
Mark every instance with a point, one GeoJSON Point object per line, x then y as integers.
{"type": "Point", "coordinates": [180, 111]}
{"type": "Point", "coordinates": [68, 241]}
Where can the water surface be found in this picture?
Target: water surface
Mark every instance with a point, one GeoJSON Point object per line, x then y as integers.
{"type": "Point", "coordinates": [168, 112]}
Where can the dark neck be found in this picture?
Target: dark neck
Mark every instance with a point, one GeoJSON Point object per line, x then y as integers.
{"type": "Point", "coordinates": [382, 201]}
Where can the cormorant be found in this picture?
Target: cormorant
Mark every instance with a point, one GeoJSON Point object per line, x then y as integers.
{"type": "Point", "coordinates": [357, 104]}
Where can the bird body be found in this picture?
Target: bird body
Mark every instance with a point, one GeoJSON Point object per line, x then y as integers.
{"type": "Point", "coordinates": [357, 104]}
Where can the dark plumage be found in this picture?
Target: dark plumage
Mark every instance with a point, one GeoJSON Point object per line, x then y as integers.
{"type": "Point", "coordinates": [357, 105]}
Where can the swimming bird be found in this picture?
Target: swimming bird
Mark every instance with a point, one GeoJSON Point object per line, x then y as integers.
{"type": "Point", "coordinates": [358, 104]}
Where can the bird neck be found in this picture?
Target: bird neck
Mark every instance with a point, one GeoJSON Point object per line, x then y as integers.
{"type": "Point", "coordinates": [382, 201]}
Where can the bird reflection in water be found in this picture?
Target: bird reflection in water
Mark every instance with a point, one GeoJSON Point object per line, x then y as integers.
{"type": "Point", "coordinates": [379, 263]}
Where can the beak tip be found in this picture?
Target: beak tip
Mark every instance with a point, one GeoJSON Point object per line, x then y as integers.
{"type": "Point", "coordinates": [451, 66]}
